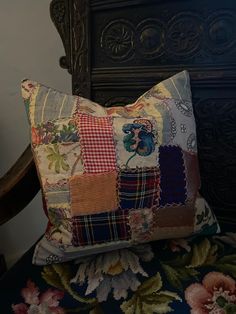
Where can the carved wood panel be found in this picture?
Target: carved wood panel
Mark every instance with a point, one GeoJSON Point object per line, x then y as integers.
{"type": "Point", "coordinates": [190, 32]}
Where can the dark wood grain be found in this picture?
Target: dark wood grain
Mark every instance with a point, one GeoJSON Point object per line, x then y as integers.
{"type": "Point", "coordinates": [18, 186]}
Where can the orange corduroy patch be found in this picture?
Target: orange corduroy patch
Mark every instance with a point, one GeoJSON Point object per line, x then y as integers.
{"type": "Point", "coordinates": [93, 193]}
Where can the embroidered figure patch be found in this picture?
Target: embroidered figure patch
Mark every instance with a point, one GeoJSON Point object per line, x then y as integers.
{"type": "Point", "coordinates": [135, 141]}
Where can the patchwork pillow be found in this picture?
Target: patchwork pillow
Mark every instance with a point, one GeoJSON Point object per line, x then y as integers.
{"type": "Point", "coordinates": [115, 177]}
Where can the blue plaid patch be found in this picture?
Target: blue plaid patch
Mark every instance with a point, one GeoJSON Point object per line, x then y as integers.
{"type": "Point", "coordinates": [139, 188]}
{"type": "Point", "coordinates": [100, 228]}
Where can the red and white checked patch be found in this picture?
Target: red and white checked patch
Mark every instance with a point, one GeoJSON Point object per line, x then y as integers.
{"type": "Point", "coordinates": [97, 143]}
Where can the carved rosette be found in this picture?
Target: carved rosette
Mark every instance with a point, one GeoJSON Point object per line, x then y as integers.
{"type": "Point", "coordinates": [221, 31]}
{"type": "Point", "coordinates": [117, 40]}
{"type": "Point", "coordinates": [151, 36]}
{"type": "Point", "coordinates": [184, 34]}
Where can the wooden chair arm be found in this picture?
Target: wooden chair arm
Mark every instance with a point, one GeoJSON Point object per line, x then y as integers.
{"type": "Point", "coordinates": [18, 186]}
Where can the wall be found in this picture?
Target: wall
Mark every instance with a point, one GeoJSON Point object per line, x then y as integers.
{"type": "Point", "coordinates": [30, 48]}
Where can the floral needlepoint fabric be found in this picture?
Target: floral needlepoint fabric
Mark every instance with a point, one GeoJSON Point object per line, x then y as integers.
{"type": "Point", "coordinates": [115, 177]}
{"type": "Point", "coordinates": [193, 275]}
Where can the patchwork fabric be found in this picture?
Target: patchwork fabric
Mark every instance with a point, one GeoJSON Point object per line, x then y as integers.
{"type": "Point", "coordinates": [141, 223]}
{"type": "Point", "coordinates": [96, 138]}
{"type": "Point", "coordinates": [58, 131]}
{"type": "Point", "coordinates": [57, 193]}
{"type": "Point", "coordinates": [100, 228]}
{"type": "Point", "coordinates": [173, 181]}
{"type": "Point", "coordinates": [178, 216]}
{"type": "Point", "coordinates": [139, 188]}
{"type": "Point", "coordinates": [58, 161]}
{"type": "Point", "coordinates": [192, 175]}
{"type": "Point", "coordinates": [91, 194]}
{"type": "Point", "coordinates": [115, 177]}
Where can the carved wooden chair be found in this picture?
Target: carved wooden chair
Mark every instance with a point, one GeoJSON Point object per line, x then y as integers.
{"type": "Point", "coordinates": [114, 51]}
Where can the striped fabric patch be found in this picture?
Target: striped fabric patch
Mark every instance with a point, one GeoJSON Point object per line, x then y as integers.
{"type": "Point", "coordinates": [139, 188]}
{"type": "Point", "coordinates": [100, 228]}
{"type": "Point", "coordinates": [53, 105]}
{"type": "Point", "coordinates": [173, 181]}
{"type": "Point", "coordinates": [97, 143]}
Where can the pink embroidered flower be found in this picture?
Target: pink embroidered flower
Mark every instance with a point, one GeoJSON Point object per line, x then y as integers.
{"type": "Point", "coordinates": [36, 303]}
{"type": "Point", "coordinates": [30, 293]}
{"type": "Point", "coordinates": [176, 244]}
{"type": "Point", "coordinates": [216, 295]}
{"type": "Point", "coordinates": [20, 308]}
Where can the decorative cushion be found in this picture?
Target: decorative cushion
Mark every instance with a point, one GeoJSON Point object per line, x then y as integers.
{"type": "Point", "coordinates": [115, 177]}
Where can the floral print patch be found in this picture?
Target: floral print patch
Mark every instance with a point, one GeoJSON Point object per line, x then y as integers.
{"type": "Point", "coordinates": [136, 143]}
{"type": "Point", "coordinates": [59, 131]}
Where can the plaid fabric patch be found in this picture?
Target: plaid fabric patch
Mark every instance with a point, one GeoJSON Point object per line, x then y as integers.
{"type": "Point", "coordinates": [97, 143]}
{"type": "Point", "coordinates": [139, 188]}
{"type": "Point", "coordinates": [173, 181]}
{"type": "Point", "coordinates": [100, 228]}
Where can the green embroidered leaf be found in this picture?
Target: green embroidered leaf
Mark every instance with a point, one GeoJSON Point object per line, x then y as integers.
{"type": "Point", "coordinates": [96, 310]}
{"type": "Point", "coordinates": [57, 166]}
{"type": "Point", "coordinates": [187, 273]}
{"type": "Point", "coordinates": [50, 157]}
{"type": "Point", "coordinates": [173, 276]}
{"type": "Point", "coordinates": [227, 259]}
{"type": "Point", "coordinates": [130, 306]}
{"type": "Point", "coordinates": [64, 166]}
{"type": "Point", "coordinates": [177, 275]}
{"type": "Point", "coordinates": [230, 308]}
{"type": "Point", "coordinates": [151, 285]}
{"type": "Point", "coordinates": [203, 254]}
{"type": "Point", "coordinates": [180, 261]}
{"type": "Point", "coordinates": [59, 276]}
{"type": "Point", "coordinates": [147, 299]}
{"type": "Point", "coordinates": [159, 302]}
{"type": "Point", "coordinates": [52, 278]}
{"type": "Point", "coordinates": [56, 159]}
{"type": "Point", "coordinates": [64, 272]}
{"type": "Point", "coordinates": [50, 150]}
{"type": "Point", "coordinates": [227, 264]}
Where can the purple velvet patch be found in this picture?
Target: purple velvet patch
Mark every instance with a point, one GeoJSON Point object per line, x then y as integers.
{"type": "Point", "coordinates": [173, 181]}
